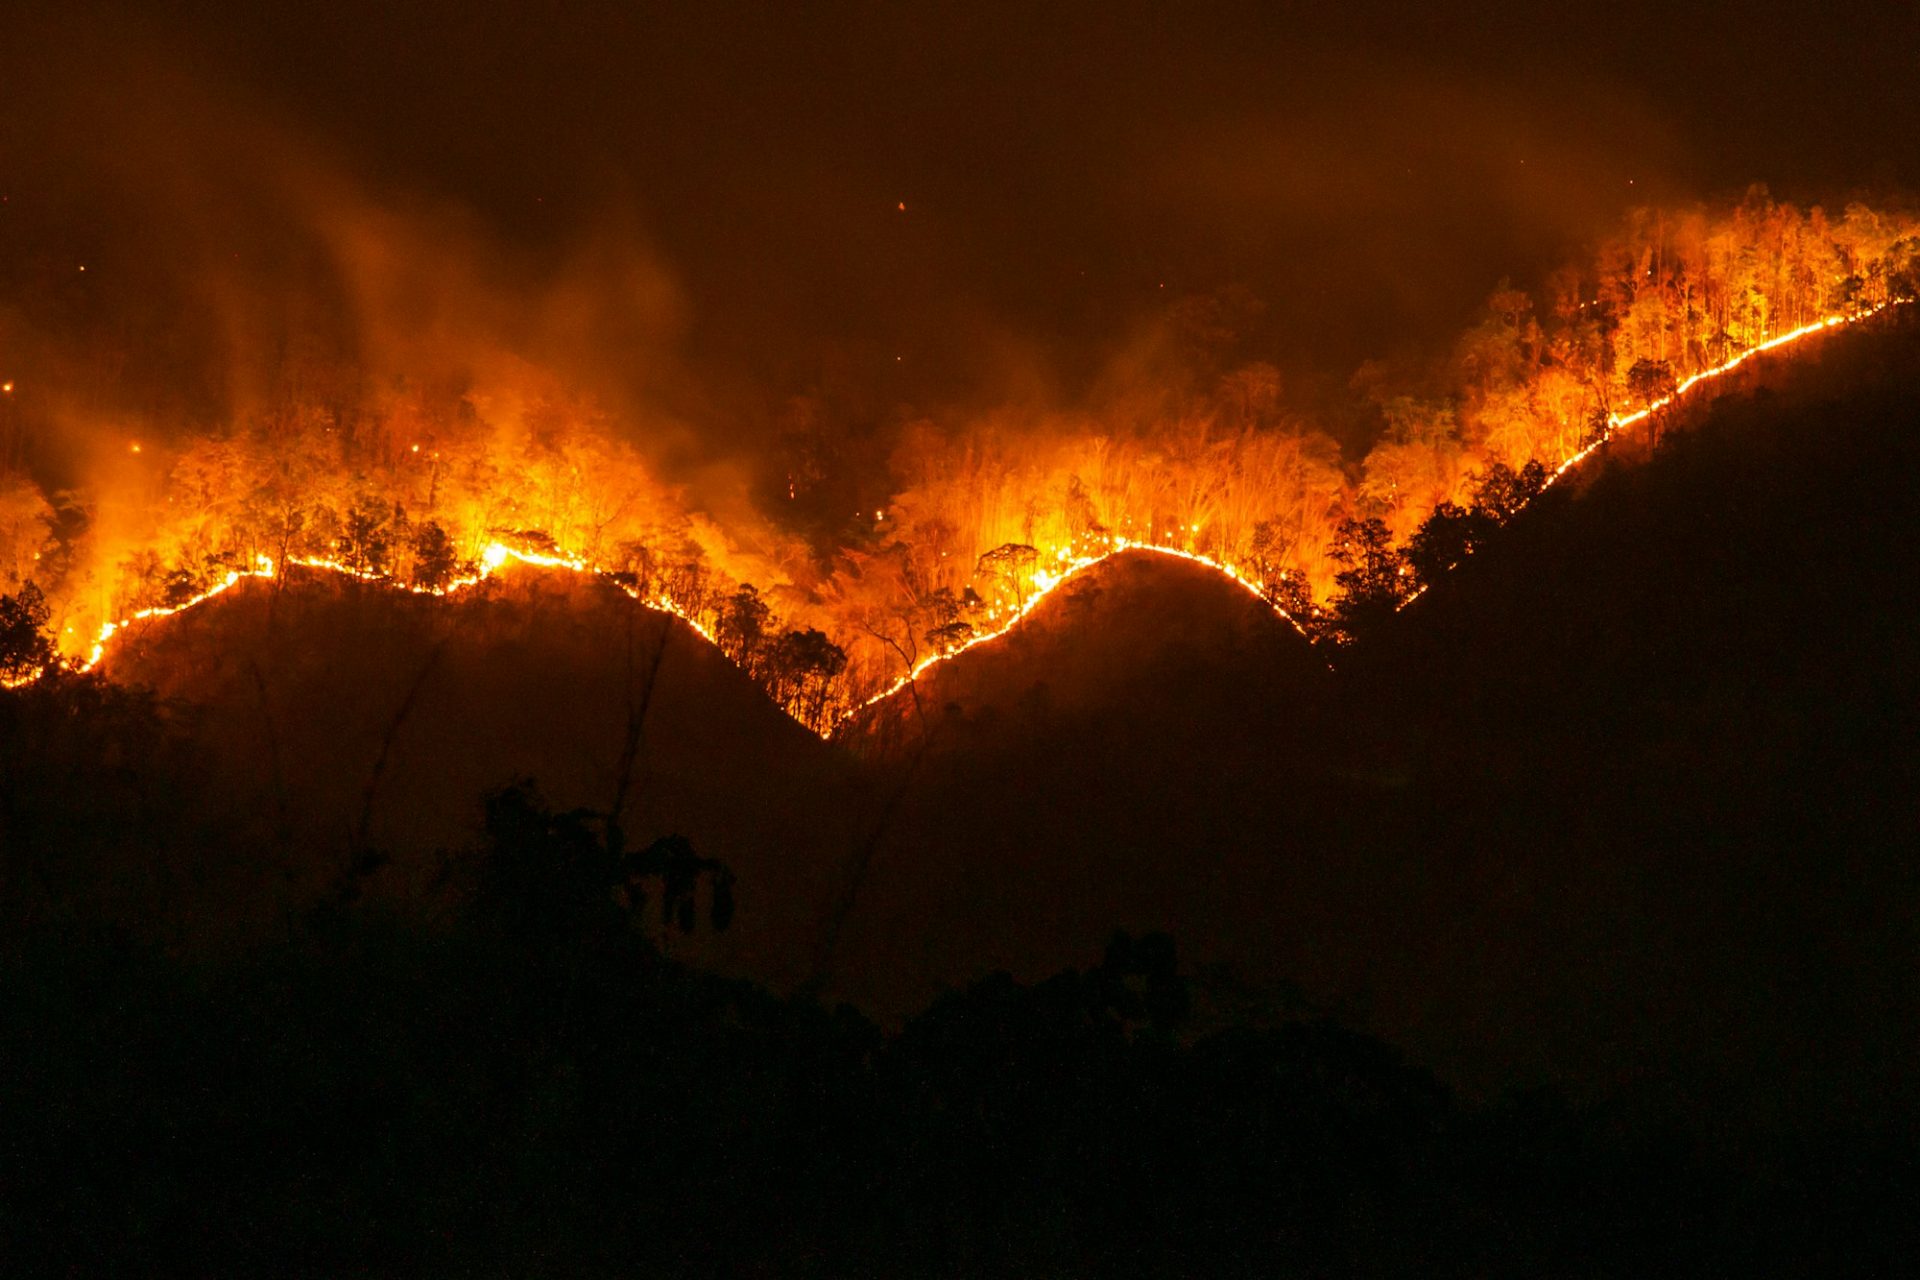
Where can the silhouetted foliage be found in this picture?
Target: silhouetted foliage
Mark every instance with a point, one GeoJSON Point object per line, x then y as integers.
{"type": "Point", "coordinates": [1650, 381]}
{"type": "Point", "coordinates": [742, 628]}
{"type": "Point", "coordinates": [374, 1097]}
{"type": "Point", "coordinates": [1502, 492]}
{"type": "Point", "coordinates": [1372, 579]}
{"type": "Point", "coordinates": [1452, 533]}
{"type": "Point", "coordinates": [1448, 536]}
{"type": "Point", "coordinates": [800, 671]}
{"type": "Point", "coordinates": [544, 876]}
{"type": "Point", "coordinates": [366, 536]}
{"type": "Point", "coordinates": [435, 562]}
{"type": "Point", "coordinates": [1012, 563]}
{"type": "Point", "coordinates": [25, 647]}
{"type": "Point", "coordinates": [950, 636]}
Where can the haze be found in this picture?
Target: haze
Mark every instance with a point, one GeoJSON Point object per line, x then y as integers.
{"type": "Point", "coordinates": [1067, 174]}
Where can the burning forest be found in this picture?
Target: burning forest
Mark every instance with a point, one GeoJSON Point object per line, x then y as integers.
{"type": "Point", "coordinates": [435, 488]}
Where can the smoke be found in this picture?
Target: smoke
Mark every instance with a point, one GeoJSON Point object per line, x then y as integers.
{"type": "Point", "coordinates": [773, 252]}
{"type": "Point", "coordinates": [239, 264]}
{"type": "Point", "coordinates": [192, 266]}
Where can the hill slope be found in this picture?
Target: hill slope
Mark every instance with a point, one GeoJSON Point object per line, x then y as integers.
{"type": "Point", "coordinates": [1129, 755]}
{"type": "Point", "coordinates": [1625, 803]}
{"type": "Point", "coordinates": [1663, 745]}
{"type": "Point", "coordinates": [347, 715]}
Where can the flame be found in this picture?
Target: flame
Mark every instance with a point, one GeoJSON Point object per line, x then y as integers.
{"type": "Point", "coordinates": [1043, 581]}
{"type": "Point", "coordinates": [1046, 581]}
{"type": "Point", "coordinates": [495, 557]}
{"type": "Point", "coordinates": [1616, 422]}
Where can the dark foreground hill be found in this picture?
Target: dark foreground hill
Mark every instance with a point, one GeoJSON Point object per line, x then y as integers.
{"type": "Point", "coordinates": [1135, 753]}
{"type": "Point", "coordinates": [340, 718]}
{"type": "Point", "coordinates": [1626, 804]}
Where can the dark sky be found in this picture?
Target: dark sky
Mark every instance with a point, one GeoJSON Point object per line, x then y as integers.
{"type": "Point", "coordinates": [1368, 171]}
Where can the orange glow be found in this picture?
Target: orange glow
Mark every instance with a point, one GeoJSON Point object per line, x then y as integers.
{"type": "Point", "coordinates": [1059, 568]}
{"type": "Point", "coordinates": [982, 518]}
{"type": "Point", "coordinates": [1617, 422]}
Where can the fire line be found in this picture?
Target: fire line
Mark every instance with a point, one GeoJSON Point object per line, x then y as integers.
{"type": "Point", "coordinates": [1044, 581]}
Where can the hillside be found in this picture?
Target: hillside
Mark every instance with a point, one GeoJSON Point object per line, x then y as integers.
{"type": "Point", "coordinates": [1136, 618]}
{"type": "Point", "coordinates": [344, 715]}
{"type": "Point", "coordinates": [1625, 804]}
{"type": "Point", "coordinates": [1135, 753]}
{"type": "Point", "coordinates": [1659, 748]}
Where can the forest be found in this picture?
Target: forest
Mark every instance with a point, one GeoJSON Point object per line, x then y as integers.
{"type": "Point", "coordinates": [411, 483]}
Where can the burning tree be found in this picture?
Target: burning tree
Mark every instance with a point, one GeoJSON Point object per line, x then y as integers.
{"type": "Point", "coordinates": [1012, 564]}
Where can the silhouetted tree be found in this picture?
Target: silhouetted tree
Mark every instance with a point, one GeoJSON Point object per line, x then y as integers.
{"type": "Point", "coordinates": [1447, 536]}
{"type": "Point", "coordinates": [366, 537]}
{"type": "Point", "coordinates": [742, 628]}
{"type": "Point", "coordinates": [435, 562]}
{"type": "Point", "coordinates": [1292, 594]}
{"type": "Point", "coordinates": [26, 649]}
{"type": "Point", "coordinates": [1650, 382]}
{"type": "Point", "coordinates": [949, 636]}
{"type": "Point", "coordinates": [948, 630]}
{"type": "Point", "coordinates": [1373, 579]}
{"type": "Point", "coordinates": [180, 586]}
{"type": "Point", "coordinates": [802, 667]}
{"type": "Point", "coordinates": [1594, 426]}
{"type": "Point", "coordinates": [560, 878]}
{"type": "Point", "coordinates": [1502, 491]}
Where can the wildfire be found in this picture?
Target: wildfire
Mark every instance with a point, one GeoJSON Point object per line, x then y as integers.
{"type": "Point", "coordinates": [1616, 422]}
{"type": "Point", "coordinates": [1038, 584]}
{"type": "Point", "coordinates": [494, 558]}
{"type": "Point", "coordinates": [263, 568]}
{"type": "Point", "coordinates": [1046, 581]}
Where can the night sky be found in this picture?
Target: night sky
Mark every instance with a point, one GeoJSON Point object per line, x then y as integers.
{"type": "Point", "coordinates": [1365, 176]}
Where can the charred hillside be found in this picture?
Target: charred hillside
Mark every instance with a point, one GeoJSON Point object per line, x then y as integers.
{"type": "Point", "coordinates": [1657, 746]}
{"type": "Point", "coordinates": [1625, 802]}
{"type": "Point", "coordinates": [339, 719]}
{"type": "Point", "coordinates": [1129, 754]}
{"type": "Point", "coordinates": [1621, 803]}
